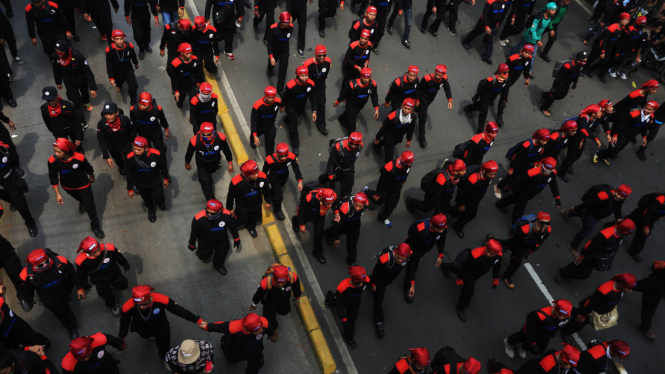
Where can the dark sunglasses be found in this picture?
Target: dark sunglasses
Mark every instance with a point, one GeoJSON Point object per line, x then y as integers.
{"type": "Point", "coordinates": [321, 55]}
{"type": "Point", "coordinates": [43, 264]}
{"type": "Point", "coordinates": [544, 223]}
{"type": "Point", "coordinates": [206, 135]}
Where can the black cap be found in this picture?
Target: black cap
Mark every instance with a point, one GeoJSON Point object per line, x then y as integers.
{"type": "Point", "coordinates": [62, 45]}
{"type": "Point", "coordinates": [581, 55]}
{"type": "Point", "coordinates": [49, 93]}
{"type": "Point", "coordinates": [109, 108]}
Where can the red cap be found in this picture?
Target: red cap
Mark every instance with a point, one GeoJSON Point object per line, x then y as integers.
{"type": "Point", "coordinates": [570, 355]}
{"type": "Point", "coordinates": [285, 17]}
{"type": "Point", "coordinates": [505, 371]}
{"type": "Point", "coordinates": [140, 141]}
{"type": "Point", "coordinates": [494, 246]}
{"type": "Point", "coordinates": [145, 98]}
{"type": "Point", "coordinates": [502, 69]}
{"type": "Point", "coordinates": [591, 109]}
{"type": "Point", "coordinates": [207, 127]}
{"type": "Point", "coordinates": [641, 20]}
{"type": "Point", "coordinates": [439, 220]}
{"type": "Point", "coordinates": [626, 226]}
{"type": "Point", "coordinates": [185, 24]}
{"type": "Point", "coordinates": [81, 347]}
{"type": "Point", "coordinates": [651, 83]}
{"type": "Point", "coordinates": [282, 149]}
{"type": "Point", "coordinates": [280, 273]}
{"type": "Point", "coordinates": [413, 69]}
{"type": "Point", "coordinates": [270, 91]}
{"type": "Point", "coordinates": [358, 274]}
{"type": "Point", "coordinates": [366, 72]}
{"type": "Point", "coordinates": [548, 164]}
{"type": "Point", "coordinates": [658, 265]}
{"type": "Point", "coordinates": [624, 16]}
{"type": "Point", "coordinates": [626, 280]}
{"type": "Point", "coordinates": [528, 48]}
{"type": "Point", "coordinates": [356, 137]}
{"type": "Point", "coordinates": [371, 9]}
{"type": "Point", "coordinates": [141, 294]}
{"type": "Point", "coordinates": [569, 126]}
{"type": "Point", "coordinates": [360, 197]}
{"type": "Point", "coordinates": [36, 257]}
{"type": "Point", "coordinates": [543, 135]}
{"type": "Point", "coordinates": [302, 69]}
{"type": "Point", "coordinates": [327, 195]}
{"type": "Point", "coordinates": [492, 127]}
{"type": "Point", "coordinates": [543, 216]}
{"type": "Point", "coordinates": [653, 104]}
{"type": "Point", "coordinates": [320, 49]}
{"type": "Point", "coordinates": [441, 68]}
{"type": "Point", "coordinates": [403, 250]}
{"type": "Point", "coordinates": [184, 47]}
{"type": "Point", "coordinates": [249, 167]}
{"type": "Point", "coordinates": [88, 245]}
{"type": "Point", "coordinates": [624, 190]}
{"type": "Point", "coordinates": [118, 34]}
{"type": "Point", "coordinates": [252, 321]}
{"type": "Point", "coordinates": [214, 205]}
{"type": "Point", "coordinates": [365, 34]}
{"type": "Point", "coordinates": [406, 158]}
{"type": "Point", "coordinates": [619, 348]}
{"type": "Point", "coordinates": [471, 366]}
{"type": "Point", "coordinates": [490, 166]}
{"type": "Point", "coordinates": [458, 165]}
{"type": "Point", "coordinates": [604, 103]}
{"type": "Point", "coordinates": [64, 144]}
{"type": "Point", "coordinates": [563, 306]}
{"type": "Point", "coordinates": [199, 21]}
{"type": "Point", "coordinates": [205, 88]}
{"type": "Point", "coordinates": [420, 356]}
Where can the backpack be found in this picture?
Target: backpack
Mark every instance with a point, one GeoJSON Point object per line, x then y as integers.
{"type": "Point", "coordinates": [646, 199]}
{"type": "Point", "coordinates": [557, 67]}
{"type": "Point", "coordinates": [595, 189]}
{"type": "Point", "coordinates": [443, 356]}
{"type": "Point", "coordinates": [268, 274]}
{"type": "Point", "coordinates": [529, 21]}
{"type": "Point", "coordinates": [429, 179]}
{"type": "Point", "coordinates": [461, 258]}
{"type": "Point", "coordinates": [459, 150]}
{"type": "Point", "coordinates": [306, 189]}
{"type": "Point", "coordinates": [56, 263]}
{"type": "Point", "coordinates": [511, 152]}
{"type": "Point", "coordinates": [527, 219]}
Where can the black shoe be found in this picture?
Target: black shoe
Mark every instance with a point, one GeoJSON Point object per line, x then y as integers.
{"type": "Point", "coordinates": [329, 240]}
{"type": "Point", "coordinates": [407, 202]}
{"type": "Point", "coordinates": [353, 7]}
{"type": "Point", "coordinates": [459, 233]}
{"type": "Point", "coordinates": [531, 76]}
{"type": "Point", "coordinates": [379, 330]}
{"type": "Point", "coordinates": [390, 30]}
{"type": "Point", "coordinates": [467, 111]}
{"type": "Point", "coordinates": [499, 121]}
{"type": "Point", "coordinates": [20, 172]}
{"type": "Point", "coordinates": [501, 208]}
{"type": "Point", "coordinates": [162, 206]}
{"type": "Point", "coordinates": [26, 306]}
{"type": "Point", "coordinates": [269, 73]}
{"type": "Point", "coordinates": [423, 143]}
{"type": "Point", "coordinates": [98, 232]}
{"type": "Point", "coordinates": [407, 297]}
{"type": "Point", "coordinates": [123, 171]}
{"type": "Point", "coordinates": [466, 46]}
{"type": "Point", "coordinates": [352, 343]}
{"type": "Point", "coordinates": [178, 104]}
{"type": "Point", "coordinates": [545, 57]}
{"type": "Point", "coordinates": [82, 208]}
{"type": "Point", "coordinates": [564, 179]}
{"type": "Point", "coordinates": [635, 256]}
{"type": "Point", "coordinates": [453, 32]}
{"type": "Point", "coordinates": [10, 13]}
{"type": "Point", "coordinates": [445, 270]}
{"type": "Point", "coordinates": [33, 231]}
{"type": "Point", "coordinates": [571, 171]}
{"type": "Point", "coordinates": [461, 314]}
{"type": "Point", "coordinates": [148, 49]}
{"type": "Point", "coordinates": [253, 233]}
{"type": "Point", "coordinates": [222, 270]}
{"type": "Point", "coordinates": [12, 207]}
{"type": "Point", "coordinates": [558, 278]}
{"type": "Point", "coordinates": [323, 130]}
{"type": "Point", "coordinates": [115, 310]}
{"type": "Point", "coordinates": [12, 103]}
{"type": "Point", "coordinates": [423, 31]}
{"type": "Point", "coordinates": [588, 74]}
{"type": "Point", "coordinates": [141, 55]}
{"type": "Point", "coordinates": [152, 216]}
{"type": "Point", "coordinates": [248, 5]}
{"type": "Point", "coordinates": [602, 78]}
{"type": "Point", "coordinates": [319, 258]}
{"type": "Point", "coordinates": [488, 60]}
{"type": "Point", "coordinates": [642, 156]}
{"type": "Point", "coordinates": [376, 51]}
{"type": "Point", "coordinates": [295, 151]}
{"type": "Point", "coordinates": [73, 334]}
{"type": "Point", "coordinates": [406, 43]}
{"type": "Point", "coordinates": [321, 33]}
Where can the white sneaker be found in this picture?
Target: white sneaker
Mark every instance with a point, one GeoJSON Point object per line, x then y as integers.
{"type": "Point", "coordinates": [623, 76]}
{"type": "Point", "coordinates": [388, 223]}
{"type": "Point", "coordinates": [508, 348]}
{"type": "Point", "coordinates": [19, 60]}
{"type": "Point", "coordinates": [237, 24]}
{"type": "Point", "coordinates": [497, 191]}
{"type": "Point", "coordinates": [521, 351]}
{"type": "Point", "coordinates": [503, 42]}
{"type": "Point", "coordinates": [612, 73]}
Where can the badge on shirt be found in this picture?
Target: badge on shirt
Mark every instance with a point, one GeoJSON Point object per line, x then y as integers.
{"type": "Point", "coordinates": [288, 164]}
{"type": "Point", "coordinates": [324, 70]}
{"type": "Point", "coordinates": [276, 108]}
{"type": "Point", "coordinates": [213, 103]}
{"type": "Point", "coordinates": [549, 180]}
{"type": "Point", "coordinates": [152, 119]}
{"type": "Point", "coordinates": [288, 35]}
{"type": "Point", "coordinates": [211, 36]}
{"type": "Point", "coordinates": [369, 91]}
{"type": "Point", "coordinates": [357, 154]}
{"type": "Point", "coordinates": [367, 52]}
{"type": "Point", "coordinates": [75, 166]}
{"type": "Point", "coordinates": [309, 89]}
{"type": "Point", "coordinates": [100, 354]}
{"type": "Point", "coordinates": [4, 159]}
{"type": "Point", "coordinates": [222, 224]}
{"type": "Point", "coordinates": [156, 311]}
{"type": "Point", "coordinates": [106, 260]}
{"type": "Point", "coordinates": [153, 164]}
{"type": "Point", "coordinates": [11, 313]}
{"type": "Point", "coordinates": [288, 288]}
{"type": "Point", "coordinates": [408, 170]}
{"type": "Point", "coordinates": [261, 184]}
{"type": "Point", "coordinates": [259, 336]}
{"type": "Point", "coordinates": [438, 237]}
{"type": "Point", "coordinates": [216, 148]}
{"type": "Point", "coordinates": [194, 64]}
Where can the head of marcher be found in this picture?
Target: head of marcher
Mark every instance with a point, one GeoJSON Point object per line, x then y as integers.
{"type": "Point", "coordinates": [118, 37]}
{"type": "Point", "coordinates": [282, 151]}
{"type": "Point", "coordinates": [142, 297]}
{"type": "Point", "coordinates": [90, 246]}
{"type": "Point", "coordinates": [619, 348]}
{"type": "Point", "coordinates": [205, 92]}
{"type": "Point", "coordinates": [145, 101]}
{"type": "Point", "coordinates": [527, 51]}
{"type": "Point", "coordinates": [214, 209]}
{"type": "Point", "coordinates": [402, 253]}
{"type": "Point", "coordinates": [493, 248]}
{"type": "Point", "coordinates": [491, 129]}
{"type": "Point", "coordinates": [622, 192]}
{"type": "Point", "coordinates": [358, 275]}
{"type": "Point", "coordinates": [140, 146]}
{"type": "Point", "coordinates": [624, 19]}
{"type": "Point", "coordinates": [185, 50]}
{"type": "Point", "coordinates": [547, 165]}
{"type": "Point", "coordinates": [581, 57]}
{"type": "Point", "coordinates": [650, 107]}
{"type": "Point", "coordinates": [364, 37]}
{"type": "Point", "coordinates": [438, 222]}
{"type": "Point", "coordinates": [569, 357]}
{"type": "Point", "coordinates": [470, 366]}
{"type": "Point", "coordinates": [640, 22]}
{"type": "Point", "coordinates": [252, 324]}
{"type": "Point", "coordinates": [651, 86]}
{"type": "Point", "coordinates": [269, 95]}
{"type": "Point", "coordinates": [189, 351]}
{"type": "Point", "coordinates": [207, 131]}
{"type": "Point", "coordinates": [184, 25]}
{"type": "Point", "coordinates": [569, 128]}
{"type": "Point", "coordinates": [626, 227]}
{"type": "Point", "coordinates": [110, 113]}
{"type": "Point", "coordinates": [542, 221]}
{"type": "Point", "coordinates": [200, 22]}
{"type": "Point", "coordinates": [501, 72]}
{"type": "Point", "coordinates": [489, 169]}
{"type": "Point", "coordinates": [593, 111]}
{"type": "Point", "coordinates": [39, 260]}
{"type": "Point", "coordinates": [550, 9]}
{"type": "Point", "coordinates": [50, 94]}
{"type": "Point", "coordinates": [658, 266]}
{"type": "Point", "coordinates": [327, 196]}
{"type": "Point", "coordinates": [457, 169]}
{"type": "Point", "coordinates": [370, 14]}
{"type": "Point", "coordinates": [284, 20]}
{"type": "Point", "coordinates": [606, 106]}
{"type": "Point", "coordinates": [624, 282]}
{"type": "Point", "coordinates": [562, 309]}
{"type": "Point", "coordinates": [63, 149]}
{"type": "Point", "coordinates": [419, 360]}
{"type": "Point", "coordinates": [355, 140]}
{"type": "Point", "coordinates": [39, 4]}
{"type": "Point", "coordinates": [63, 49]}
{"type": "Point", "coordinates": [302, 74]}
{"type": "Point", "coordinates": [359, 201]}
{"type": "Point", "coordinates": [405, 159]}
{"type": "Point", "coordinates": [365, 75]}
{"type": "Point", "coordinates": [320, 53]}
{"type": "Point", "coordinates": [81, 348]}
{"type": "Point", "coordinates": [412, 73]}
{"type": "Point", "coordinates": [280, 275]}
{"type": "Point", "coordinates": [440, 71]}
{"type": "Point", "coordinates": [250, 170]}
{"type": "Point", "coordinates": [541, 137]}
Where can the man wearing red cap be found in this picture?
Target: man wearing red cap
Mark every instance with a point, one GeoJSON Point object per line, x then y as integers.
{"type": "Point", "coordinates": [350, 210]}
{"type": "Point", "coordinates": [439, 186]}
{"type": "Point", "coordinates": [298, 11]}
{"type": "Point", "coordinates": [14, 331]}
{"type": "Point", "coordinates": [520, 64]}
{"type": "Point", "coordinates": [318, 68]}
{"type": "Point", "coordinates": [529, 185]}
{"type": "Point", "coordinates": [487, 91]}
{"type": "Point", "coordinates": [554, 363]}
{"type": "Point", "coordinates": [541, 325]}
{"type": "Point", "coordinates": [429, 86]}
{"type": "Point", "coordinates": [653, 128]}
{"type": "Point", "coordinates": [264, 114]}
{"type": "Point", "coordinates": [623, 130]}
{"type": "Point", "coordinates": [313, 208]}
{"type": "Point", "coordinates": [469, 266]}
{"type": "Point", "coordinates": [140, 21]}
{"type": "Point", "coordinates": [205, 44]}
{"type": "Point", "coordinates": [653, 291]}
{"type": "Point", "coordinates": [208, 146]}
{"type": "Point", "coordinates": [598, 358]}
{"type": "Point", "coordinates": [598, 203]}
{"type": "Point", "coordinates": [277, 39]}
{"type": "Point", "coordinates": [88, 354]}
{"type": "Point", "coordinates": [470, 193]}
{"type": "Point", "coordinates": [389, 188]}
{"type": "Point", "coordinates": [115, 133]}
{"type": "Point", "coordinates": [457, 365]}
{"type": "Point", "coordinates": [120, 64]}
{"type": "Point", "coordinates": [568, 74]}
{"type": "Point", "coordinates": [473, 150]}
{"type": "Point", "coordinates": [73, 171]}
{"type": "Point", "coordinates": [650, 209]}
{"type": "Point", "coordinates": [101, 262]}
{"type": "Point", "coordinates": [394, 127]}
{"type": "Point", "coordinates": [147, 171]}
{"type": "Point", "coordinates": [559, 139]}
{"type": "Point", "coordinates": [274, 292]}
{"type": "Point", "coordinates": [347, 299]}
{"type": "Point", "coordinates": [243, 339]}
{"type": "Point", "coordinates": [356, 93]}
{"type": "Point", "coordinates": [186, 72]}
{"type": "Point", "coordinates": [248, 190]}
{"type": "Point", "coordinates": [587, 118]}
{"type": "Point", "coordinates": [175, 33]}
{"type": "Point", "coordinates": [635, 99]}
{"type": "Point", "coordinates": [604, 47]}
{"type": "Point", "coordinates": [356, 57]}
{"type": "Point", "coordinates": [203, 107]}
{"type": "Point", "coordinates": [522, 157]}
{"type": "Point", "coordinates": [276, 167]}
{"type": "Point", "coordinates": [402, 88]}
{"type": "Point", "coordinates": [294, 100]}
{"type": "Point", "coordinates": [367, 22]}
{"type": "Point", "coordinates": [226, 16]}
{"type": "Point", "coordinates": [526, 237]}
{"type": "Point", "coordinates": [148, 117]}
{"type": "Point", "coordinates": [341, 163]}
{"type": "Point", "coordinates": [629, 47]}
{"type": "Point", "coordinates": [145, 302]}
{"type": "Point", "coordinates": [389, 264]}
{"type": "Point", "coordinates": [13, 191]}
{"type": "Point", "coordinates": [99, 13]}
{"type": "Point", "coordinates": [602, 302]}
{"type": "Point", "coordinates": [416, 361]}
{"type": "Point", "coordinates": [54, 278]}
{"type": "Point", "coordinates": [210, 227]}
{"type": "Point", "coordinates": [71, 67]}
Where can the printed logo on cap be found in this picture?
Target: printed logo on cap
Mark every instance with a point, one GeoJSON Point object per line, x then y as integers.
{"type": "Point", "coordinates": [47, 93]}
{"type": "Point", "coordinates": [107, 106]}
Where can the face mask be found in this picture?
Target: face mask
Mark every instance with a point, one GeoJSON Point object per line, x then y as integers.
{"type": "Point", "coordinates": [205, 98]}
{"type": "Point", "coordinates": [213, 216]}
{"type": "Point", "coordinates": [61, 54]}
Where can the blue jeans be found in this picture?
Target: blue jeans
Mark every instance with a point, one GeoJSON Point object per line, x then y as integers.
{"type": "Point", "coordinates": [407, 20]}
{"type": "Point", "coordinates": [518, 48]}
{"type": "Point", "coordinates": [168, 17]}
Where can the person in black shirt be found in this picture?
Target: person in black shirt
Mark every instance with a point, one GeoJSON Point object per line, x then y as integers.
{"type": "Point", "coordinates": [429, 86]}
{"type": "Point", "coordinates": [210, 227]}
{"type": "Point", "coordinates": [488, 24]}
{"type": "Point", "coordinates": [624, 130]}
{"type": "Point", "coordinates": [205, 44]}
{"type": "Point", "coordinates": [225, 16]}
{"type": "Point", "coordinates": [294, 99]}
{"type": "Point", "coordinates": [520, 12]}
{"type": "Point", "coordinates": [147, 171]}
{"type": "Point", "coordinates": [523, 158]}
{"type": "Point", "coordinates": [351, 210]}
{"type": "Point", "coordinates": [101, 262]}
{"type": "Point", "coordinates": [477, 147]}
{"type": "Point", "coordinates": [6, 138]}
{"type": "Point", "coordinates": [99, 13]}
{"type": "Point", "coordinates": [264, 114]}
{"type": "Point", "coordinates": [347, 299]}
{"type": "Point", "coordinates": [470, 193]}
{"type": "Point", "coordinates": [442, 190]}
{"type": "Point", "coordinates": [247, 192]}
{"type": "Point", "coordinates": [653, 290]}
{"type": "Point", "coordinates": [313, 208]}
{"type": "Point", "coordinates": [175, 34]}
{"type": "Point", "coordinates": [356, 57]}
{"type": "Point", "coordinates": [264, 9]}
{"type": "Point", "coordinates": [87, 354]}
{"type": "Point", "coordinates": [487, 91]}
{"type": "Point", "coordinates": [645, 216]}
{"type": "Point", "coordinates": [569, 74]}
{"type": "Point", "coordinates": [394, 127]}
{"type": "Point", "coordinates": [14, 331]}
{"type": "Point", "coordinates": [519, 64]}
{"type": "Point", "coordinates": [70, 66]}
{"type": "Point", "coordinates": [274, 292]}
{"type": "Point", "coordinates": [147, 116]}
{"type": "Point", "coordinates": [276, 167]}
{"type": "Point", "coordinates": [389, 264]}
{"type": "Point", "coordinates": [73, 171]}
{"type": "Point", "coordinates": [318, 68]}
{"type": "Point", "coordinates": [32, 361]}
{"type": "Point", "coordinates": [203, 107]}
{"type": "Point", "coordinates": [277, 40]}
{"type": "Point", "coordinates": [115, 133]}
{"type": "Point", "coordinates": [61, 117]}
{"type": "Point", "coordinates": [14, 188]}
{"type": "Point", "coordinates": [341, 163]}
{"type": "Point", "coordinates": [208, 146]}
{"type": "Point", "coordinates": [186, 74]}
{"type": "Point", "coordinates": [140, 21]}
{"type": "Point", "coordinates": [120, 57]}
{"type": "Point", "coordinates": [10, 262]}
{"type": "Point", "coordinates": [51, 24]}
{"type": "Point", "coordinates": [356, 93]}
{"type": "Point", "coordinates": [389, 187]}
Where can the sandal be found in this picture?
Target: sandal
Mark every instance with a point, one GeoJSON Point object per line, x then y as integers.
{"type": "Point", "coordinates": [546, 112]}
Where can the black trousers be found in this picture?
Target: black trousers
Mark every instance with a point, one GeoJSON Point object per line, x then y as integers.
{"type": "Point", "coordinates": [268, 140]}
{"type": "Point", "coordinates": [141, 29]}
{"type": "Point", "coordinates": [283, 61]}
{"type": "Point", "coordinates": [226, 34]}
{"type": "Point", "coordinates": [69, 12]}
{"type": "Point", "coordinates": [421, 110]}
{"type": "Point", "coordinates": [84, 197]}
{"type": "Point", "coordinates": [650, 302]}
{"type": "Point", "coordinates": [48, 45]}
{"type": "Point", "coordinates": [467, 292]}
{"type": "Point", "coordinates": [389, 203]}
{"type": "Point", "coordinates": [8, 36]}
{"type": "Point", "coordinates": [519, 200]}
{"type": "Point", "coordinates": [205, 177]}
{"type": "Point", "coordinates": [277, 193]}
{"type": "Point", "coordinates": [320, 92]}
{"type": "Point", "coordinates": [572, 154]}
{"type": "Point", "coordinates": [292, 125]}
{"type": "Point", "coordinates": [558, 92]}
{"type": "Point", "coordinates": [488, 40]}
{"type": "Point", "coordinates": [13, 155]}
{"type": "Point", "coordinates": [508, 179]}
{"type": "Point", "coordinates": [104, 290]}
{"type": "Point", "coordinates": [269, 15]}
{"type": "Point", "coordinates": [254, 363]}
{"type": "Point", "coordinates": [510, 30]}
{"type": "Point", "coordinates": [352, 237]}
{"type": "Point", "coordinates": [272, 308]}
{"type": "Point", "coordinates": [186, 91]}
{"type": "Point", "coordinates": [469, 213]}
{"type": "Point", "coordinates": [220, 251]}
{"type": "Point", "coordinates": [427, 204]}
{"type": "Point", "coordinates": [31, 338]}
{"type": "Point", "coordinates": [602, 64]}
{"type": "Point", "coordinates": [318, 227]}
{"type": "Point", "coordinates": [453, 7]}
{"type": "Point", "coordinates": [613, 151]}
{"type": "Point", "coordinates": [13, 267]}
{"type": "Point", "coordinates": [550, 42]}
{"type": "Point", "coordinates": [14, 196]}
{"type": "Point", "coordinates": [349, 316]}
{"type": "Point", "coordinates": [157, 142]}
{"type": "Point", "coordinates": [119, 156]}
{"type": "Point", "coordinates": [62, 311]}
{"type": "Point", "coordinates": [414, 263]}
{"type": "Point", "coordinates": [77, 94]}
{"type": "Point", "coordinates": [132, 84]}
{"type": "Point", "coordinates": [542, 341]}
{"type": "Point", "coordinates": [162, 339]}
{"type": "Point", "coordinates": [209, 61]}
{"type": "Point", "coordinates": [249, 218]}
{"type": "Point", "coordinates": [639, 240]}
{"type": "Point", "coordinates": [588, 223]}
{"type": "Point", "coordinates": [581, 271]}
{"type": "Point", "coordinates": [380, 28]}
{"type": "Point", "coordinates": [388, 143]}
{"type": "Point", "coordinates": [379, 295]}
{"type": "Point", "coordinates": [345, 178]}
{"type": "Point", "coordinates": [299, 14]}
{"type": "Point", "coordinates": [516, 258]}
{"type": "Point", "coordinates": [349, 118]}
{"type": "Point", "coordinates": [101, 17]}
{"type": "Point", "coordinates": [152, 195]}
{"type": "Point", "coordinates": [482, 106]}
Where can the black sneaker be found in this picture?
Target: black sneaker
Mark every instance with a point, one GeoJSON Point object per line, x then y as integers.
{"type": "Point", "coordinates": [32, 230]}
{"type": "Point", "coordinates": [635, 256]}
{"type": "Point", "coordinates": [466, 46]}
{"type": "Point", "coordinates": [406, 43]}
{"type": "Point", "coordinates": [329, 240]}
{"type": "Point", "coordinates": [141, 55]}
{"type": "Point", "coordinates": [642, 156]}
{"type": "Point", "coordinates": [162, 206]}
{"type": "Point", "coordinates": [148, 49]}
{"type": "Point", "coordinates": [545, 57]}
{"type": "Point", "coordinates": [82, 208]}
{"type": "Point", "coordinates": [222, 270]}
{"type": "Point", "coordinates": [461, 313]}
{"type": "Point", "coordinates": [26, 305]}
{"type": "Point", "coordinates": [453, 32]}
{"type": "Point", "coordinates": [488, 60]}
{"type": "Point", "coordinates": [390, 30]}
{"type": "Point", "coordinates": [467, 111]}
{"type": "Point", "coordinates": [253, 233]}
{"type": "Point", "coordinates": [423, 31]}
{"type": "Point", "coordinates": [558, 278]}
{"type": "Point", "coordinates": [123, 171]}
{"type": "Point", "coordinates": [152, 216]}
{"type": "Point", "coordinates": [379, 330]}
{"type": "Point", "coordinates": [322, 34]}
{"type": "Point", "coordinates": [423, 143]}
{"type": "Point", "coordinates": [323, 130]}
{"type": "Point", "coordinates": [12, 103]}
{"type": "Point", "coordinates": [352, 343]}
{"type": "Point", "coordinates": [279, 215]}
{"type": "Point", "coordinates": [301, 53]}
{"type": "Point", "coordinates": [269, 73]}
{"type": "Point", "coordinates": [98, 232]}
{"type": "Point", "coordinates": [376, 51]}
{"type": "Point", "coordinates": [20, 172]}
{"type": "Point", "coordinates": [115, 310]}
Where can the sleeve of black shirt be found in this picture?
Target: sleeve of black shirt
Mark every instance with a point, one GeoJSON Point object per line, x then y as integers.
{"type": "Point", "coordinates": [231, 224]}
{"type": "Point", "coordinates": [258, 295]}
{"type": "Point", "coordinates": [109, 62]}
{"type": "Point", "coordinates": [296, 170]}
{"type": "Point", "coordinates": [392, 93]}
{"type": "Point", "coordinates": [89, 76]}
{"type": "Point", "coordinates": [165, 38]}
{"type": "Point", "coordinates": [46, 118]}
{"type": "Point", "coordinates": [374, 96]}
{"type": "Point", "coordinates": [127, 7]}
{"type": "Point", "coordinates": [230, 197]}
{"type": "Point", "coordinates": [129, 166]}
{"type": "Point", "coordinates": [208, 10]}
{"type": "Point", "coordinates": [114, 4]}
{"type": "Point", "coordinates": [554, 187]}
{"type": "Point", "coordinates": [267, 195]}
{"type": "Point", "coordinates": [227, 151]}
{"type": "Point", "coordinates": [114, 341]}
{"type": "Point", "coordinates": [312, 99]}
{"type": "Point", "coordinates": [382, 184]}
{"type": "Point", "coordinates": [181, 312]}
{"type": "Point", "coordinates": [254, 116]}
{"type": "Point", "coordinates": [446, 89]}
{"type": "Point", "coordinates": [194, 233]}
{"type": "Point", "coordinates": [592, 247]}
{"type": "Point", "coordinates": [30, 21]}
{"type": "Point", "coordinates": [441, 242]}
{"type": "Point", "coordinates": [496, 269]}
{"type": "Point", "coordinates": [103, 145]}
{"type": "Point", "coordinates": [487, 12]}
{"type": "Point", "coordinates": [164, 168]}
{"type": "Point", "coordinates": [269, 37]}
{"type": "Point", "coordinates": [71, 273]}
{"type": "Point", "coordinates": [297, 288]}
{"type": "Point", "coordinates": [87, 167]}
{"type": "Point", "coordinates": [120, 258]}
{"type": "Point", "coordinates": [189, 153]}
{"type": "Point", "coordinates": [53, 176]}
{"type": "Point", "coordinates": [62, 20]}
{"type": "Point", "coordinates": [57, 73]}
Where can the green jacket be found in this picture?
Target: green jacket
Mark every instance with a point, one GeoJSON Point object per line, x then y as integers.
{"type": "Point", "coordinates": [558, 16]}
{"type": "Point", "coordinates": [540, 24]}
